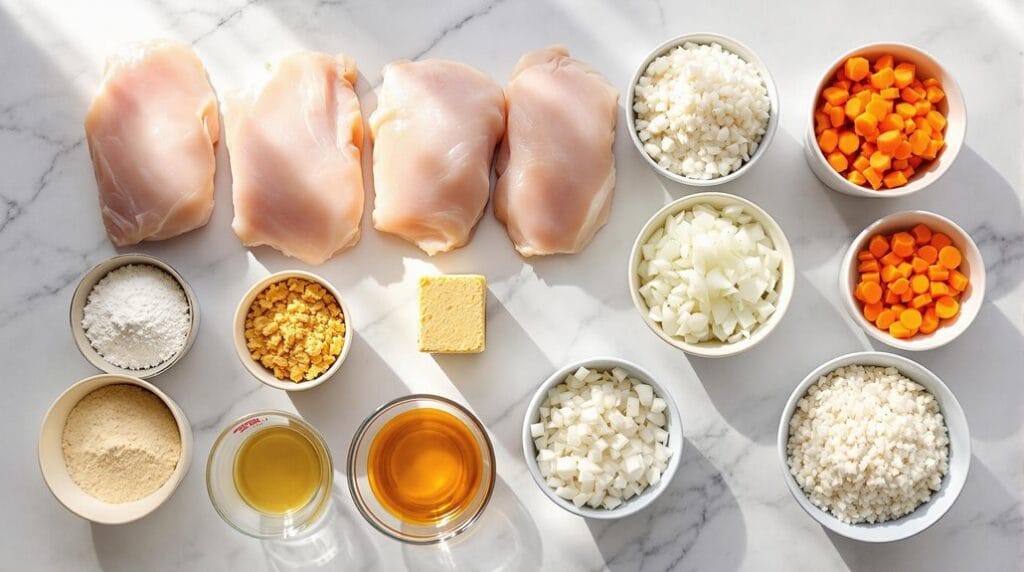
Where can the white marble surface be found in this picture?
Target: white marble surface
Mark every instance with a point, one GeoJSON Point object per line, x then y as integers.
{"type": "Point", "coordinates": [728, 508]}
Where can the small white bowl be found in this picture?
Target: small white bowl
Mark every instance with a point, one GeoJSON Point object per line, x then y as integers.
{"type": "Point", "coordinates": [959, 452]}
{"type": "Point", "coordinates": [714, 349]}
{"type": "Point", "coordinates": [256, 369]}
{"type": "Point", "coordinates": [81, 296]}
{"type": "Point", "coordinates": [745, 54]}
{"type": "Point", "coordinates": [952, 106]}
{"type": "Point", "coordinates": [54, 469]}
{"type": "Point", "coordinates": [972, 266]}
{"type": "Point", "coordinates": [673, 426]}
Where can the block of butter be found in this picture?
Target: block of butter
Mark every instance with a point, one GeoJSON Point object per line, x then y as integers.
{"type": "Point", "coordinates": [452, 313]}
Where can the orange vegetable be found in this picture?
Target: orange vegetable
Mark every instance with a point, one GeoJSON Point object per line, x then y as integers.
{"type": "Point", "coordinates": [873, 177]}
{"type": "Point", "coordinates": [899, 331]}
{"type": "Point", "coordinates": [903, 244]}
{"type": "Point", "coordinates": [888, 141]}
{"type": "Point", "coordinates": [930, 321]}
{"type": "Point", "coordinates": [889, 273]}
{"type": "Point", "coordinates": [835, 95]}
{"type": "Point", "coordinates": [946, 307]}
{"type": "Point", "coordinates": [878, 246]}
{"type": "Point", "coordinates": [937, 272]}
{"type": "Point", "coordinates": [922, 234]}
{"type": "Point", "coordinates": [856, 68]}
{"type": "Point", "coordinates": [937, 289]}
{"type": "Point", "coordinates": [861, 163]}
{"type": "Point", "coordinates": [883, 78]}
{"type": "Point", "coordinates": [918, 142]}
{"type": "Point", "coordinates": [880, 162]}
{"type": "Point", "coordinates": [910, 318]}
{"type": "Point", "coordinates": [856, 178]}
{"type": "Point", "coordinates": [828, 140]}
{"type": "Point", "coordinates": [838, 161]}
{"type": "Point", "coordinates": [884, 61]}
{"type": "Point", "coordinates": [957, 280]}
{"type": "Point", "coordinates": [919, 283]}
{"type": "Point", "coordinates": [935, 94]}
{"type": "Point", "coordinates": [920, 265]}
{"type": "Point", "coordinates": [836, 116]}
{"type": "Point", "coordinates": [868, 266]}
{"type": "Point", "coordinates": [849, 142]}
{"type": "Point", "coordinates": [892, 259]}
{"type": "Point", "coordinates": [949, 257]}
{"type": "Point", "coordinates": [890, 297]}
{"type": "Point", "coordinates": [865, 124]}
{"type": "Point", "coordinates": [872, 292]}
{"type": "Point", "coordinates": [892, 122]}
{"type": "Point", "coordinates": [921, 301]}
{"type": "Point", "coordinates": [885, 319]}
{"type": "Point", "coordinates": [894, 179]}
{"type": "Point", "coordinates": [939, 240]}
{"type": "Point", "coordinates": [871, 311]}
{"type": "Point", "coordinates": [899, 285]}
{"type": "Point", "coordinates": [936, 120]}
{"type": "Point", "coordinates": [865, 255]}
{"type": "Point", "coordinates": [903, 75]}
{"type": "Point", "coordinates": [853, 107]}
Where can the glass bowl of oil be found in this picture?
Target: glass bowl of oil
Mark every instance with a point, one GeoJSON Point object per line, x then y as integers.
{"type": "Point", "coordinates": [269, 475]}
{"type": "Point", "coordinates": [421, 469]}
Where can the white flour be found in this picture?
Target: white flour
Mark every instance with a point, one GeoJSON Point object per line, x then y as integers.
{"type": "Point", "coordinates": [137, 317]}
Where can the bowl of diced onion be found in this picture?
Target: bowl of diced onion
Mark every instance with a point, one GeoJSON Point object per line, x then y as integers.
{"type": "Point", "coordinates": [711, 274]}
{"type": "Point", "coordinates": [602, 438]}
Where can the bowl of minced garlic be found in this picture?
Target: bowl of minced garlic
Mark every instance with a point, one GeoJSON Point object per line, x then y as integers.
{"type": "Point", "coordinates": [292, 330]}
{"type": "Point", "coordinates": [113, 448]}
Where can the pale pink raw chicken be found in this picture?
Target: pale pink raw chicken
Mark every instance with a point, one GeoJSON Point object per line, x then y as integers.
{"type": "Point", "coordinates": [151, 130]}
{"type": "Point", "coordinates": [434, 133]}
{"type": "Point", "coordinates": [295, 142]}
{"type": "Point", "coordinates": [555, 167]}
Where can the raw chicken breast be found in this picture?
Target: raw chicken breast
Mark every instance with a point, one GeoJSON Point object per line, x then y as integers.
{"type": "Point", "coordinates": [434, 133]}
{"type": "Point", "coordinates": [295, 142]}
{"type": "Point", "coordinates": [151, 129]}
{"type": "Point", "coordinates": [556, 171]}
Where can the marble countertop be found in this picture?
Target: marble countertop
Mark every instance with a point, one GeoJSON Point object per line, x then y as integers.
{"type": "Point", "coordinates": [728, 507]}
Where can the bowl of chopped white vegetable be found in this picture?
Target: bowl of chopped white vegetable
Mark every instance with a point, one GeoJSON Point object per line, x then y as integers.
{"type": "Point", "coordinates": [711, 274]}
{"type": "Point", "coordinates": [702, 109]}
{"type": "Point", "coordinates": [602, 438]}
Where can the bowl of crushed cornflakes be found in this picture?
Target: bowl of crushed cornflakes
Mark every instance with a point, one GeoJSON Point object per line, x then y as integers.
{"type": "Point", "coordinates": [292, 330]}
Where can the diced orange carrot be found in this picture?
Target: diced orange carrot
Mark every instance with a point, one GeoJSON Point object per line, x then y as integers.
{"type": "Point", "coordinates": [837, 116]}
{"type": "Point", "coordinates": [821, 122]}
{"type": "Point", "coordinates": [883, 78]}
{"type": "Point", "coordinates": [935, 94]}
{"type": "Point", "coordinates": [930, 321]}
{"type": "Point", "coordinates": [919, 283]}
{"type": "Point", "coordinates": [849, 142]}
{"type": "Point", "coordinates": [835, 95]}
{"type": "Point", "coordinates": [856, 178]}
{"type": "Point", "coordinates": [903, 150]}
{"type": "Point", "coordinates": [894, 179]}
{"type": "Point", "coordinates": [915, 161]}
{"type": "Point", "coordinates": [853, 107]}
{"type": "Point", "coordinates": [892, 122]}
{"type": "Point", "coordinates": [939, 240]}
{"type": "Point", "coordinates": [899, 285]}
{"type": "Point", "coordinates": [918, 142]}
{"type": "Point", "coordinates": [890, 93]}
{"type": "Point", "coordinates": [880, 162]}
{"type": "Point", "coordinates": [936, 120]}
{"type": "Point", "coordinates": [879, 107]}
{"type": "Point", "coordinates": [899, 331]}
{"type": "Point", "coordinates": [903, 75]}
{"type": "Point", "coordinates": [908, 172]}
{"type": "Point", "coordinates": [905, 269]}
{"type": "Point", "coordinates": [838, 161]}
{"type": "Point", "coordinates": [934, 146]}
{"type": "Point", "coordinates": [922, 234]}
{"type": "Point", "coordinates": [890, 297]}
{"type": "Point", "coordinates": [870, 266]}
{"type": "Point", "coordinates": [937, 289]}
{"type": "Point", "coordinates": [865, 255]}
{"type": "Point", "coordinates": [892, 259]}
{"type": "Point", "coordinates": [907, 296]}
{"type": "Point", "coordinates": [828, 140]}
{"type": "Point", "coordinates": [871, 311]}
{"type": "Point", "coordinates": [906, 110]}
{"type": "Point", "coordinates": [909, 95]}
{"type": "Point", "coordinates": [903, 244]}
{"type": "Point", "coordinates": [900, 164]}
{"type": "Point", "coordinates": [898, 308]}
{"type": "Point", "coordinates": [923, 106]}
{"type": "Point", "coordinates": [946, 307]}
{"type": "Point", "coordinates": [937, 272]}
{"type": "Point", "coordinates": [920, 264]}
{"type": "Point", "coordinates": [873, 177]}
{"type": "Point", "coordinates": [858, 291]}
{"type": "Point", "coordinates": [958, 280]}
{"type": "Point", "coordinates": [921, 301]}
{"type": "Point", "coordinates": [867, 149]}
{"type": "Point", "coordinates": [885, 319]}
{"type": "Point", "coordinates": [871, 291]}
{"type": "Point", "coordinates": [949, 257]}
{"type": "Point", "coordinates": [856, 68]}
{"type": "Point", "coordinates": [883, 61]}
{"type": "Point", "coordinates": [870, 277]}
{"type": "Point", "coordinates": [910, 318]}
{"type": "Point", "coordinates": [865, 124]}
{"type": "Point", "coordinates": [878, 246]}
{"type": "Point", "coordinates": [888, 273]}
{"type": "Point", "coordinates": [888, 141]}
{"type": "Point", "coordinates": [923, 125]}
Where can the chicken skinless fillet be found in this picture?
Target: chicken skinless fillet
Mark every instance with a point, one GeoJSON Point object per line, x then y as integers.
{"type": "Point", "coordinates": [556, 170]}
{"type": "Point", "coordinates": [434, 132]}
{"type": "Point", "coordinates": [151, 128]}
{"type": "Point", "coordinates": [295, 142]}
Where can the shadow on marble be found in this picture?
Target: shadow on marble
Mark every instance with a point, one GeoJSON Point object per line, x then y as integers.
{"type": "Point", "coordinates": [505, 537]}
{"type": "Point", "coordinates": [983, 369]}
{"type": "Point", "coordinates": [364, 383]}
{"type": "Point", "coordinates": [752, 402]}
{"type": "Point", "coordinates": [697, 519]}
{"type": "Point", "coordinates": [340, 542]}
{"type": "Point", "coordinates": [983, 530]}
{"type": "Point", "coordinates": [478, 377]}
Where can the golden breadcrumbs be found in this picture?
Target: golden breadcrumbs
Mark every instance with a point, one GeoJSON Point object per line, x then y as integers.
{"type": "Point", "coordinates": [296, 329]}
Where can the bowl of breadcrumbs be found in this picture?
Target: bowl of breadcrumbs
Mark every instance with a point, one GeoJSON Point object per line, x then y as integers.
{"type": "Point", "coordinates": [292, 330]}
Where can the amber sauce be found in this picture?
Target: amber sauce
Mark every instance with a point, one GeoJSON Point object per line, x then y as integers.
{"type": "Point", "coordinates": [277, 470]}
{"type": "Point", "coordinates": [425, 466]}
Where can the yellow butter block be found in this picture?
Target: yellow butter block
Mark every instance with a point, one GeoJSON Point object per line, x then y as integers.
{"type": "Point", "coordinates": [452, 313]}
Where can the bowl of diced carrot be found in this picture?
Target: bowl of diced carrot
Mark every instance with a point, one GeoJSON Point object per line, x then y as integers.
{"type": "Point", "coordinates": [913, 280]}
{"type": "Point", "coordinates": [887, 120]}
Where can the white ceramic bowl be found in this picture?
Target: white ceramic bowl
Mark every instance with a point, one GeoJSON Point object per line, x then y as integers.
{"type": "Point", "coordinates": [959, 452]}
{"type": "Point", "coordinates": [54, 469]}
{"type": "Point", "coordinates": [81, 296]}
{"type": "Point", "coordinates": [952, 107]}
{"type": "Point", "coordinates": [972, 266]}
{"type": "Point", "coordinates": [256, 369]}
{"type": "Point", "coordinates": [744, 53]}
{"type": "Point", "coordinates": [673, 426]}
{"type": "Point", "coordinates": [715, 349]}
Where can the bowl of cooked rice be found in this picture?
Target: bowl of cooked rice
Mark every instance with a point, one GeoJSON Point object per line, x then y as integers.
{"type": "Point", "coordinates": [874, 446]}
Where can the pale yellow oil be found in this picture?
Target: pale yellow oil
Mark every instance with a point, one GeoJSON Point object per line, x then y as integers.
{"type": "Point", "coordinates": [277, 470]}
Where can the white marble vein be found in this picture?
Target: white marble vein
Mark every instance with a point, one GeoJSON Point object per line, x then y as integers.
{"type": "Point", "coordinates": [728, 508]}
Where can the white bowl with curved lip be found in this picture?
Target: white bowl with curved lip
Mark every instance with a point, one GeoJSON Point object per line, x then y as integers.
{"type": "Point", "coordinates": [257, 370]}
{"type": "Point", "coordinates": [952, 107]}
{"type": "Point", "coordinates": [785, 286]}
{"type": "Point", "coordinates": [673, 426]}
{"type": "Point", "coordinates": [54, 469]}
{"type": "Point", "coordinates": [972, 266]}
{"type": "Point", "coordinates": [924, 515]}
{"type": "Point", "coordinates": [746, 54]}
{"type": "Point", "coordinates": [81, 297]}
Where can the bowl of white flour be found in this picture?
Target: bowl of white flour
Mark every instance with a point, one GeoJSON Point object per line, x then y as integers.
{"type": "Point", "coordinates": [133, 315]}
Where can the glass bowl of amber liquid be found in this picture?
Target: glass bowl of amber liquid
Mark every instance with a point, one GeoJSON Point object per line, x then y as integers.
{"type": "Point", "coordinates": [421, 469]}
{"type": "Point", "coordinates": [269, 475]}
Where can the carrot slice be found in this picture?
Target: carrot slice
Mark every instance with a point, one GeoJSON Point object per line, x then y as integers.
{"type": "Point", "coordinates": [919, 284]}
{"type": "Point", "coordinates": [872, 292]}
{"type": "Point", "coordinates": [946, 307]}
{"type": "Point", "coordinates": [937, 289]}
{"type": "Point", "coordinates": [889, 273]}
{"type": "Point", "coordinates": [929, 322]}
{"type": "Point", "coordinates": [865, 255]}
{"type": "Point", "coordinates": [936, 272]}
{"type": "Point", "coordinates": [905, 269]}
{"type": "Point", "coordinates": [878, 246]}
{"type": "Point", "coordinates": [929, 253]}
{"type": "Point", "coordinates": [857, 68]}
{"type": "Point", "coordinates": [871, 311]}
{"type": "Point", "coordinates": [885, 319]}
{"type": "Point", "coordinates": [949, 256]}
{"type": "Point", "coordinates": [898, 330]}
{"type": "Point", "coordinates": [891, 297]}
{"type": "Point", "coordinates": [900, 285]}
{"type": "Point", "coordinates": [922, 234]}
{"type": "Point", "coordinates": [892, 259]}
{"type": "Point", "coordinates": [910, 318]}
{"type": "Point", "coordinates": [920, 264]}
{"type": "Point", "coordinates": [957, 280]}
{"type": "Point", "coordinates": [902, 242]}
{"type": "Point", "coordinates": [938, 239]}
{"type": "Point", "coordinates": [872, 266]}
{"type": "Point", "coordinates": [921, 301]}
{"type": "Point", "coordinates": [870, 277]}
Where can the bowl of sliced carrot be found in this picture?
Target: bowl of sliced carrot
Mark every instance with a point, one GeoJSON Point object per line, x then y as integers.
{"type": "Point", "coordinates": [913, 280]}
{"type": "Point", "coordinates": [887, 120]}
